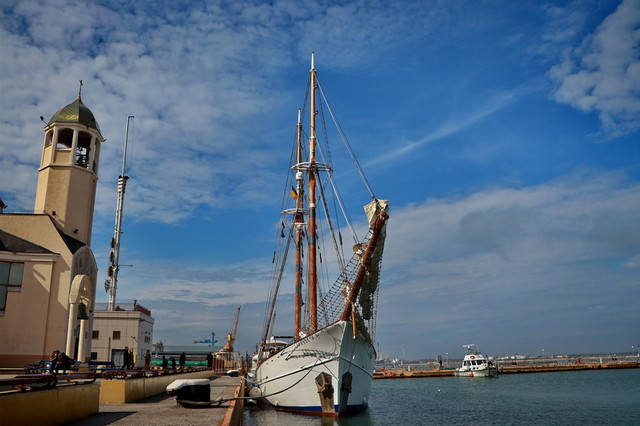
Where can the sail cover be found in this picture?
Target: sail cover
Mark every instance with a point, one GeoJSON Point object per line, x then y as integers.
{"type": "Point", "coordinates": [373, 210]}
{"type": "Point", "coordinates": [370, 285]}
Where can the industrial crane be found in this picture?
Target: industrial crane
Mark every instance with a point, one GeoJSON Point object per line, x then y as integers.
{"type": "Point", "coordinates": [231, 337]}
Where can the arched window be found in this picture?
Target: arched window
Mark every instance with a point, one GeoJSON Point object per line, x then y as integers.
{"type": "Point", "coordinates": [82, 150]}
{"type": "Point", "coordinates": [65, 139]}
{"type": "Point", "coordinates": [48, 138]}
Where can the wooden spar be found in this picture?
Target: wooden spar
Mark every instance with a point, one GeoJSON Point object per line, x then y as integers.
{"type": "Point", "coordinates": [313, 307]}
{"type": "Point", "coordinates": [364, 266]}
{"type": "Point", "coordinates": [298, 221]}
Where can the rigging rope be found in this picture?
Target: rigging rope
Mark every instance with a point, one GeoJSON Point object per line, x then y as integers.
{"type": "Point", "coordinates": [346, 142]}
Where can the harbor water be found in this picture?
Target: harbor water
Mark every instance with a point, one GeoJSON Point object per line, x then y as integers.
{"type": "Point", "coordinates": [593, 397]}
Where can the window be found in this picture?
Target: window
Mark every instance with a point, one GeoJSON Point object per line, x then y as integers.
{"type": "Point", "coordinates": [95, 334]}
{"type": "Point", "coordinates": [10, 280]}
{"type": "Point", "coordinates": [65, 139]}
{"type": "Point", "coordinates": [82, 150]}
{"type": "Point", "coordinates": [94, 356]}
{"type": "Point", "coordinates": [116, 335]}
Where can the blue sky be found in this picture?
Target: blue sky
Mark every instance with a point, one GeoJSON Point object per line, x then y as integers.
{"type": "Point", "coordinates": [506, 136]}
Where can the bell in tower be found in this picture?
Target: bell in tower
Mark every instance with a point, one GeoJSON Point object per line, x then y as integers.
{"type": "Point", "coordinates": [68, 172]}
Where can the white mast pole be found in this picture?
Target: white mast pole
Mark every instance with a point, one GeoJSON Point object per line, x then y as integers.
{"type": "Point", "coordinates": [114, 257]}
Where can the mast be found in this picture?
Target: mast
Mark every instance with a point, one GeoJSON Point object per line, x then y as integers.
{"type": "Point", "coordinates": [299, 223]}
{"type": "Point", "coordinates": [114, 256]}
{"type": "Point", "coordinates": [313, 297]}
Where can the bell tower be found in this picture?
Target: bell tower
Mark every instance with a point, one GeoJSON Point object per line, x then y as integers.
{"type": "Point", "coordinates": [68, 171]}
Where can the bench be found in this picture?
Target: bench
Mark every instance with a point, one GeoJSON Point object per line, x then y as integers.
{"type": "Point", "coordinates": [36, 367]}
{"type": "Point", "coordinates": [44, 367]}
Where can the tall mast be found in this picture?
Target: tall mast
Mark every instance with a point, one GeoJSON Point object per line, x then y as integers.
{"type": "Point", "coordinates": [299, 223]}
{"type": "Point", "coordinates": [313, 314]}
{"type": "Point", "coordinates": [114, 256]}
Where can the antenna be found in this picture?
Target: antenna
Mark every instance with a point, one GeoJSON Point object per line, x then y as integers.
{"type": "Point", "coordinates": [114, 256]}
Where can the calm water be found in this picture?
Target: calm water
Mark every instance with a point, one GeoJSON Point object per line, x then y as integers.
{"type": "Point", "coordinates": [599, 397]}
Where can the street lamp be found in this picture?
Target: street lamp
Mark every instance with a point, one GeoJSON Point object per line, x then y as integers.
{"type": "Point", "coordinates": [447, 359]}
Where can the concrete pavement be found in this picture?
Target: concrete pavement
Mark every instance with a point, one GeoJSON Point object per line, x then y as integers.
{"type": "Point", "coordinates": [163, 409]}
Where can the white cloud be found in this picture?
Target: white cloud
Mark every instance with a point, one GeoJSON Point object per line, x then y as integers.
{"type": "Point", "coordinates": [602, 74]}
{"type": "Point", "coordinates": [513, 258]}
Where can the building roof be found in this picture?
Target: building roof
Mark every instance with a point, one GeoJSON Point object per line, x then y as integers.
{"type": "Point", "coordinates": [72, 244]}
{"type": "Point", "coordinates": [9, 242]}
{"type": "Point", "coordinates": [75, 112]}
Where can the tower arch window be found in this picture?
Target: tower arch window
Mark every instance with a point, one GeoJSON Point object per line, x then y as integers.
{"type": "Point", "coordinates": [48, 138]}
{"type": "Point", "coordinates": [83, 149]}
{"type": "Point", "coordinates": [65, 139]}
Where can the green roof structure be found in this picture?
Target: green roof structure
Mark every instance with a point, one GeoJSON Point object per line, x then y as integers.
{"type": "Point", "coordinates": [75, 112]}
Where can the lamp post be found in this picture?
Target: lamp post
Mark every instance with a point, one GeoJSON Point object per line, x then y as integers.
{"type": "Point", "coordinates": [447, 359]}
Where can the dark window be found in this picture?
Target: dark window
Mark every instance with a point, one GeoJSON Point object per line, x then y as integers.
{"type": "Point", "coordinates": [96, 334]}
{"type": "Point", "coordinates": [10, 279]}
{"type": "Point", "coordinates": [116, 335]}
{"type": "Point", "coordinates": [94, 355]}
{"type": "Point", "coordinates": [82, 150]}
{"type": "Point", "coordinates": [65, 139]}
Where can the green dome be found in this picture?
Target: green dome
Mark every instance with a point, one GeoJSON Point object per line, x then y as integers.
{"type": "Point", "coordinates": [76, 112]}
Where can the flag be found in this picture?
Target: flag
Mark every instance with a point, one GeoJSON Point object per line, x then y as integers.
{"type": "Point", "coordinates": [294, 193]}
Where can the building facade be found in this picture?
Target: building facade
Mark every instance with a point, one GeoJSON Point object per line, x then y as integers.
{"type": "Point", "coordinates": [130, 326]}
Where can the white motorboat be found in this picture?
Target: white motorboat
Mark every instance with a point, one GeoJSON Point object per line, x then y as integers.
{"type": "Point", "coordinates": [475, 364]}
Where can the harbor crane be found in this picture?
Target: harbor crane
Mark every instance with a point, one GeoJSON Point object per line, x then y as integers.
{"type": "Point", "coordinates": [231, 337]}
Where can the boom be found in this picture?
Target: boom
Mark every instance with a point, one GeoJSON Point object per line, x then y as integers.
{"type": "Point", "coordinates": [231, 337]}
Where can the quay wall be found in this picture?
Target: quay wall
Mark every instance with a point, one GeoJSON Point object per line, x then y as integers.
{"type": "Point", "coordinates": [504, 369]}
{"type": "Point", "coordinates": [233, 415]}
{"type": "Point", "coordinates": [129, 390]}
{"type": "Point", "coordinates": [60, 405]}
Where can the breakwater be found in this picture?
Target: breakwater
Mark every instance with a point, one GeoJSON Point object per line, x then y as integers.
{"type": "Point", "coordinates": [535, 365]}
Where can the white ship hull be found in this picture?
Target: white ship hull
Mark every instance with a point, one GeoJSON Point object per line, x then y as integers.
{"type": "Point", "coordinates": [327, 373]}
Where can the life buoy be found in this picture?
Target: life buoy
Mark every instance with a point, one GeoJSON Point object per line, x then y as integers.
{"type": "Point", "coordinates": [472, 357]}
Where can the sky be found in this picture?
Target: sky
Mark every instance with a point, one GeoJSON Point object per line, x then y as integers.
{"type": "Point", "coordinates": [506, 136]}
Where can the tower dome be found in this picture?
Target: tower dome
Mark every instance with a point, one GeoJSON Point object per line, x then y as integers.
{"type": "Point", "coordinates": [75, 112]}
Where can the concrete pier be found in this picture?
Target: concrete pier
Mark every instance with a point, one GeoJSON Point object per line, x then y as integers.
{"type": "Point", "coordinates": [163, 409]}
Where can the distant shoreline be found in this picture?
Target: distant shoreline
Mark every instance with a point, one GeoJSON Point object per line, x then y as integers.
{"type": "Point", "coordinates": [533, 365]}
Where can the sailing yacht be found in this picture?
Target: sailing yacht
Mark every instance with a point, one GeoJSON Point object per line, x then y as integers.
{"type": "Point", "coordinates": [324, 364]}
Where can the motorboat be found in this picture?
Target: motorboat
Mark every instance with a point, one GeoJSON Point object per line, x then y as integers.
{"type": "Point", "coordinates": [475, 364]}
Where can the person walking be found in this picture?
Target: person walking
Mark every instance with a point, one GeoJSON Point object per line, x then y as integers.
{"type": "Point", "coordinates": [147, 360]}
{"type": "Point", "coordinates": [183, 360]}
{"type": "Point", "coordinates": [210, 360]}
{"type": "Point", "coordinates": [125, 358]}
